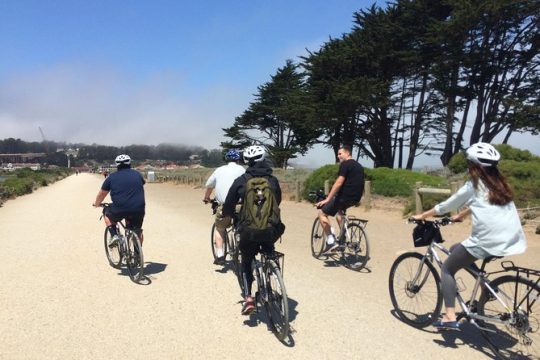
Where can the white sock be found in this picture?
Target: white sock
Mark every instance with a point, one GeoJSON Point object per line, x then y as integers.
{"type": "Point", "coordinates": [330, 239]}
{"type": "Point", "coordinates": [219, 252]}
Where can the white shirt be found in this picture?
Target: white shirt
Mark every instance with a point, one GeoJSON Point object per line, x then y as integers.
{"type": "Point", "coordinates": [222, 179]}
{"type": "Point", "coordinates": [496, 229]}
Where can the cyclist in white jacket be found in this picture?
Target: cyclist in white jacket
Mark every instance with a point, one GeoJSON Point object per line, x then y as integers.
{"type": "Point", "coordinates": [496, 227]}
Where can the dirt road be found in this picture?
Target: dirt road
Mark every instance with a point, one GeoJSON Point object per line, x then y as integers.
{"type": "Point", "coordinates": [59, 299]}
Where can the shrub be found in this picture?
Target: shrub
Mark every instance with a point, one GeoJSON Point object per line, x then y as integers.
{"type": "Point", "coordinates": [458, 163]}
{"type": "Point", "coordinates": [316, 179]}
{"type": "Point", "coordinates": [384, 181]}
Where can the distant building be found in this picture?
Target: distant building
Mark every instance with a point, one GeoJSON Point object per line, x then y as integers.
{"type": "Point", "coordinates": [21, 158]}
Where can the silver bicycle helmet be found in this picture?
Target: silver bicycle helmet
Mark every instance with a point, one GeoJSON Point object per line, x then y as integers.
{"type": "Point", "coordinates": [483, 154]}
{"type": "Point", "coordinates": [254, 153]}
{"type": "Point", "coordinates": [122, 159]}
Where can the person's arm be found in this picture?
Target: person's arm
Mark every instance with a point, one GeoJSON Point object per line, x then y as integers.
{"type": "Point", "coordinates": [207, 193]}
{"type": "Point", "coordinates": [210, 185]}
{"type": "Point", "coordinates": [335, 188]}
{"type": "Point", "coordinates": [455, 201]}
{"type": "Point", "coordinates": [232, 198]}
{"type": "Point", "coordinates": [100, 197]}
{"type": "Point", "coordinates": [461, 215]}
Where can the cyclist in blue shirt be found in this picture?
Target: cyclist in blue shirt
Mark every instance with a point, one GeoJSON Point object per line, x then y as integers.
{"type": "Point", "coordinates": [127, 195]}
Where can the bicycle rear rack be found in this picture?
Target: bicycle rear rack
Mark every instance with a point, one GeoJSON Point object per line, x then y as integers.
{"type": "Point", "coordinates": [509, 266]}
{"type": "Point", "coordinates": [358, 220]}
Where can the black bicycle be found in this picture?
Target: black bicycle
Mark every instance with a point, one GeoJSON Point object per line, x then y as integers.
{"type": "Point", "coordinates": [504, 309]}
{"type": "Point", "coordinates": [271, 293]}
{"type": "Point", "coordinates": [352, 239]}
{"type": "Point", "coordinates": [128, 249]}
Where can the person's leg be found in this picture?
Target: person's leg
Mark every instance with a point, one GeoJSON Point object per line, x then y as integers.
{"type": "Point", "coordinates": [248, 250]}
{"type": "Point", "coordinates": [220, 234]}
{"type": "Point", "coordinates": [458, 259]}
{"type": "Point", "coordinates": [135, 221]}
{"type": "Point", "coordinates": [329, 209]}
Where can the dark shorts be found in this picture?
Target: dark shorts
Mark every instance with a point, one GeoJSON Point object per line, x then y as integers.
{"type": "Point", "coordinates": [134, 220]}
{"type": "Point", "coordinates": [336, 204]}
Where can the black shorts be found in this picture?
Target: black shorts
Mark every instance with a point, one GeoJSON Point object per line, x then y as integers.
{"type": "Point", "coordinates": [336, 204]}
{"type": "Point", "coordinates": [134, 220]}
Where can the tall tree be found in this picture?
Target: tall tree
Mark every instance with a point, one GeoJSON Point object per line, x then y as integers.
{"type": "Point", "coordinates": [277, 119]}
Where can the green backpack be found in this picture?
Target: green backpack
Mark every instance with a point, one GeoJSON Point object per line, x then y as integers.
{"type": "Point", "coordinates": [259, 218]}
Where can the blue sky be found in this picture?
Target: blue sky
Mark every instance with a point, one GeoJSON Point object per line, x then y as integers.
{"type": "Point", "coordinates": [123, 72]}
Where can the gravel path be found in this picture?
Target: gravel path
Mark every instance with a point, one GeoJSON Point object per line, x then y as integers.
{"type": "Point", "coordinates": [59, 299]}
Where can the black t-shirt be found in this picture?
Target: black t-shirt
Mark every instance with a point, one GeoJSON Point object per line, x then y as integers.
{"type": "Point", "coordinates": [126, 189]}
{"type": "Point", "coordinates": [353, 187]}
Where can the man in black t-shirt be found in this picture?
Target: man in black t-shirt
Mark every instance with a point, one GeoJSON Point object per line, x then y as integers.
{"type": "Point", "coordinates": [346, 192]}
{"type": "Point", "coordinates": [127, 195]}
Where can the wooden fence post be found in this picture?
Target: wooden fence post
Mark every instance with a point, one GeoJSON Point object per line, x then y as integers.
{"type": "Point", "coordinates": [326, 187]}
{"type": "Point", "coordinates": [367, 195]}
{"type": "Point", "coordinates": [297, 190]}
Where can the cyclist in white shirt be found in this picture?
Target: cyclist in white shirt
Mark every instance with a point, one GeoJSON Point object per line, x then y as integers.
{"type": "Point", "coordinates": [221, 180]}
{"type": "Point", "coordinates": [496, 227]}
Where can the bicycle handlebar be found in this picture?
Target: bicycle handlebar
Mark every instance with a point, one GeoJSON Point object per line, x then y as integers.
{"type": "Point", "coordinates": [442, 222]}
{"type": "Point", "coordinates": [214, 203]}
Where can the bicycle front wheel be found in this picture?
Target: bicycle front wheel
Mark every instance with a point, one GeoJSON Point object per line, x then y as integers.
{"type": "Point", "coordinates": [317, 239]}
{"type": "Point", "coordinates": [134, 257]}
{"type": "Point", "coordinates": [277, 306]}
{"type": "Point", "coordinates": [415, 290]}
{"type": "Point", "coordinates": [113, 253]}
{"type": "Point", "coordinates": [356, 251]}
{"type": "Point", "coordinates": [513, 333]}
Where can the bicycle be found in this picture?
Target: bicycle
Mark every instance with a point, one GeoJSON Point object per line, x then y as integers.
{"type": "Point", "coordinates": [352, 239]}
{"type": "Point", "coordinates": [503, 309]}
{"type": "Point", "coordinates": [271, 293]}
{"type": "Point", "coordinates": [230, 243]}
{"type": "Point", "coordinates": [128, 249]}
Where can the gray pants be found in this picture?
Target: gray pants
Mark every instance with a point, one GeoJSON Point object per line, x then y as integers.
{"type": "Point", "coordinates": [458, 259]}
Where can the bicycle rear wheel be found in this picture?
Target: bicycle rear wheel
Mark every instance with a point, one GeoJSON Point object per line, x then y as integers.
{"type": "Point", "coordinates": [213, 242]}
{"type": "Point", "coordinates": [415, 290]}
{"type": "Point", "coordinates": [134, 256]}
{"type": "Point", "coordinates": [317, 239]}
{"type": "Point", "coordinates": [356, 251]}
{"type": "Point", "coordinates": [277, 306]}
{"type": "Point", "coordinates": [113, 253]}
{"type": "Point", "coordinates": [513, 334]}
{"type": "Point", "coordinates": [237, 264]}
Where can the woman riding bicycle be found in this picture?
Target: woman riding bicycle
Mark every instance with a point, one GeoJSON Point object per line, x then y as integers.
{"type": "Point", "coordinates": [496, 227]}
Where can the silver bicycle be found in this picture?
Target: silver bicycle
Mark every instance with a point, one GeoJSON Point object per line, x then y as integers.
{"type": "Point", "coordinates": [504, 309]}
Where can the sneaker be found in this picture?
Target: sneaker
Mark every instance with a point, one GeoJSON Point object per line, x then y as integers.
{"type": "Point", "coordinates": [220, 260]}
{"type": "Point", "coordinates": [249, 306]}
{"type": "Point", "coordinates": [114, 241]}
{"type": "Point", "coordinates": [330, 248]}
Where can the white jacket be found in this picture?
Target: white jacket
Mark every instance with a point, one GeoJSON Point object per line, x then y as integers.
{"type": "Point", "coordinates": [496, 229]}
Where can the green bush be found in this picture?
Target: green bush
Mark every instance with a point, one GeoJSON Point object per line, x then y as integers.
{"type": "Point", "coordinates": [384, 181]}
{"type": "Point", "coordinates": [400, 182]}
{"type": "Point", "coordinates": [316, 179]}
{"type": "Point", "coordinates": [23, 181]}
{"type": "Point", "coordinates": [458, 163]}
{"type": "Point", "coordinates": [510, 153]}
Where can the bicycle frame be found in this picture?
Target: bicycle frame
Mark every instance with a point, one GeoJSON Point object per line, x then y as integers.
{"type": "Point", "coordinates": [481, 282]}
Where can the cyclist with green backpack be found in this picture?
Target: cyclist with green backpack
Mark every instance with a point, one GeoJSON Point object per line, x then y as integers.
{"type": "Point", "coordinates": [259, 224]}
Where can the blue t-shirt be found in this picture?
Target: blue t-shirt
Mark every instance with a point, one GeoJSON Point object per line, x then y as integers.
{"type": "Point", "coordinates": [126, 190]}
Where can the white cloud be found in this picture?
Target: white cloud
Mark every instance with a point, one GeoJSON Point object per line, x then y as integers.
{"type": "Point", "coordinates": [82, 104]}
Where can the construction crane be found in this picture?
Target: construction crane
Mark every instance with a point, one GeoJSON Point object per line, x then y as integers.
{"type": "Point", "coordinates": [44, 140]}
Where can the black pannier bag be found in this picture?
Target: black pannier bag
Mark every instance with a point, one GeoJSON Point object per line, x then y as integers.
{"type": "Point", "coordinates": [425, 233]}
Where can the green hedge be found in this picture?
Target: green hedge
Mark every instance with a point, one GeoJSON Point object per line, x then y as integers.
{"type": "Point", "coordinates": [384, 181]}
{"type": "Point", "coordinates": [24, 181]}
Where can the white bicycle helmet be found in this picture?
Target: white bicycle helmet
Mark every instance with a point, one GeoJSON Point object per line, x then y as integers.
{"type": "Point", "coordinates": [483, 154]}
{"type": "Point", "coordinates": [254, 153]}
{"type": "Point", "coordinates": [122, 159]}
